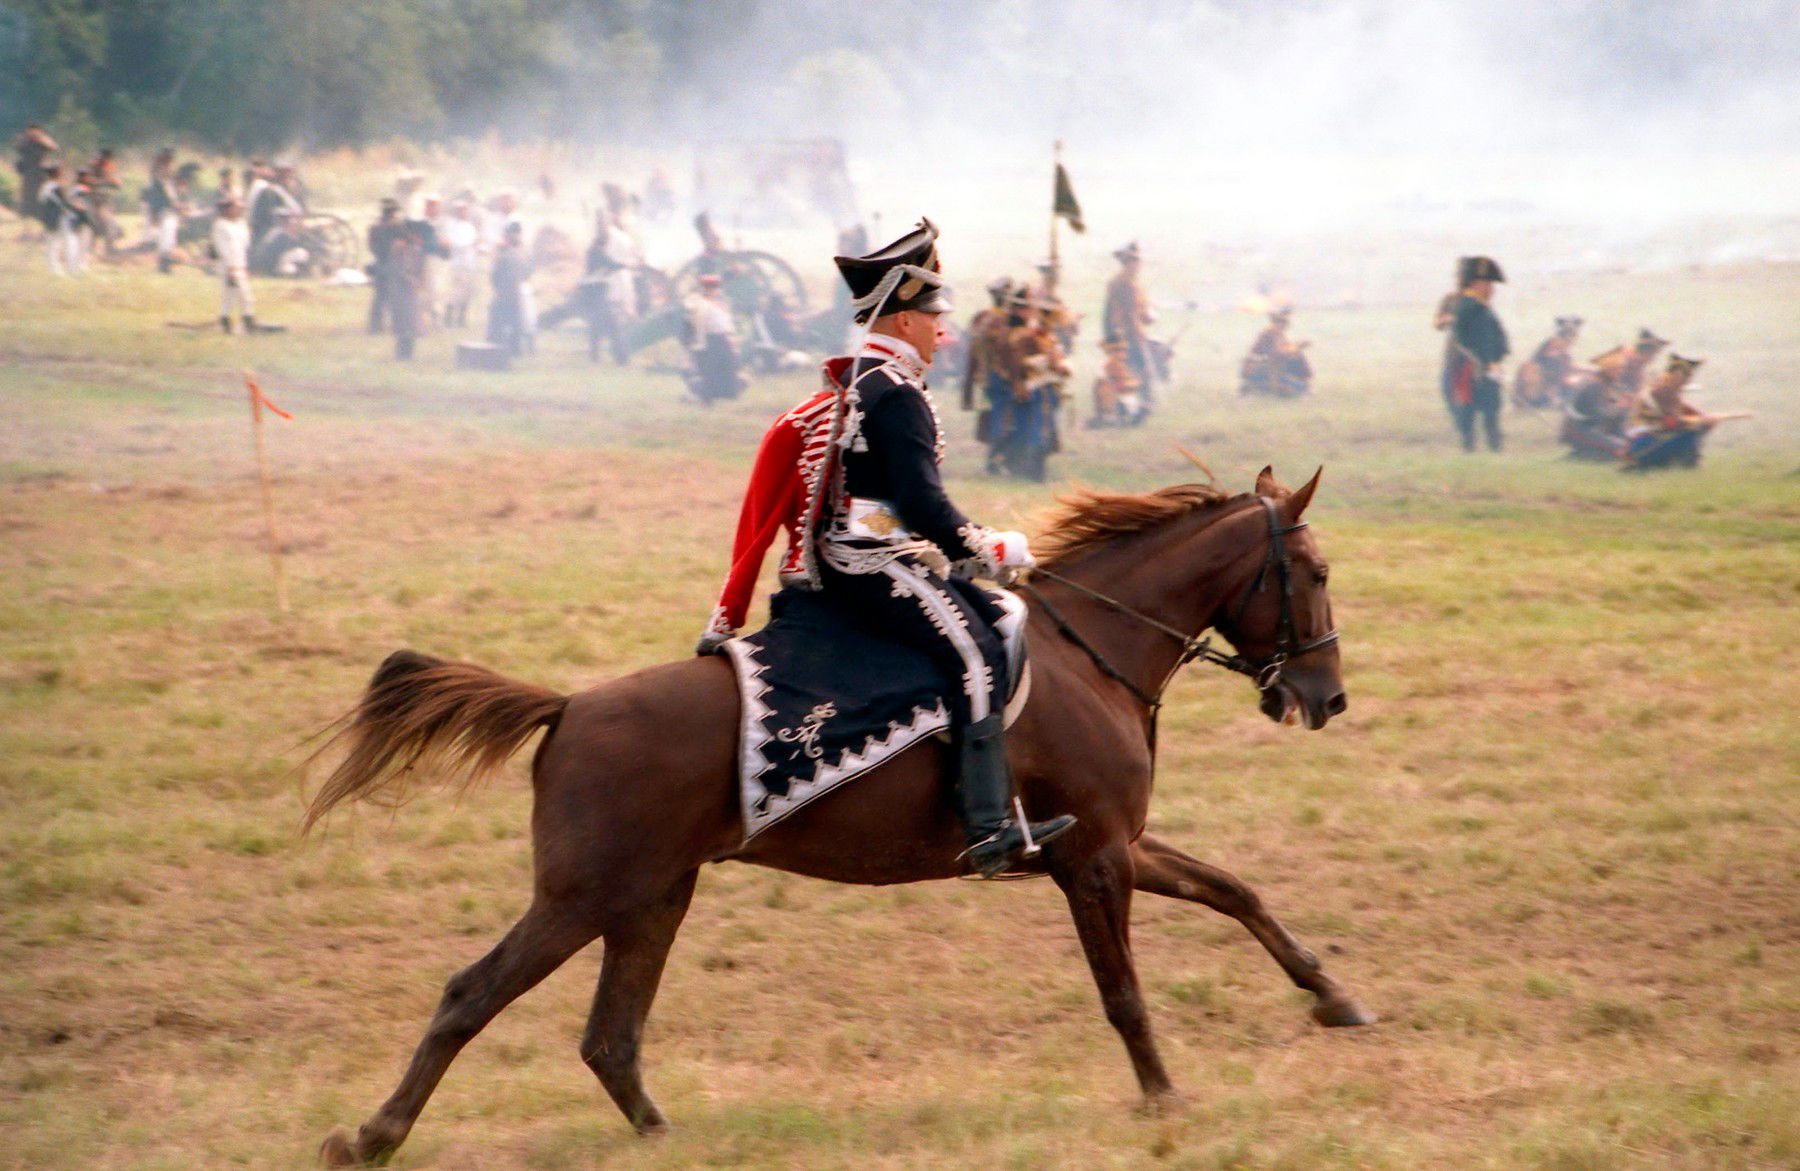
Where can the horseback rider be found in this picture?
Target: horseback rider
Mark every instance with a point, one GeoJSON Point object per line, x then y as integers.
{"type": "Point", "coordinates": [852, 474]}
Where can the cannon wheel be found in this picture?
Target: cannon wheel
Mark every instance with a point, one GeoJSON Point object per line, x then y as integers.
{"type": "Point", "coordinates": [761, 272]}
{"type": "Point", "coordinates": [333, 241]}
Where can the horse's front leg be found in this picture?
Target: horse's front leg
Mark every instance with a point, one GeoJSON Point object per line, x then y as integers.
{"type": "Point", "coordinates": [1098, 888]}
{"type": "Point", "coordinates": [1161, 869]}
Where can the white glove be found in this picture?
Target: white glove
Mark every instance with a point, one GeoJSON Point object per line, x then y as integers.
{"type": "Point", "coordinates": [712, 640]}
{"type": "Point", "coordinates": [1001, 555]}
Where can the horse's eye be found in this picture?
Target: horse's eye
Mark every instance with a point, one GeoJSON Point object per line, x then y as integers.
{"type": "Point", "coordinates": [1320, 574]}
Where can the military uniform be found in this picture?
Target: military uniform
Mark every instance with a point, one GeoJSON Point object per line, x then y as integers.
{"type": "Point", "coordinates": [1543, 379]}
{"type": "Point", "coordinates": [1127, 313]}
{"type": "Point", "coordinates": [1477, 343]}
{"type": "Point", "coordinates": [1663, 429]}
{"type": "Point", "coordinates": [1624, 367]}
{"type": "Point", "coordinates": [852, 475]}
{"type": "Point", "coordinates": [1276, 364]}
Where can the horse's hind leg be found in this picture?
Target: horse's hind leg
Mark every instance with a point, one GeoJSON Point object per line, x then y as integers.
{"type": "Point", "coordinates": [1099, 892]}
{"type": "Point", "coordinates": [536, 946]}
{"type": "Point", "coordinates": [1163, 870]}
{"type": "Point", "coordinates": [635, 952]}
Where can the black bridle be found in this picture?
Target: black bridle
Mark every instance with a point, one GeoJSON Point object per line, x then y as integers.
{"type": "Point", "coordinates": [1265, 672]}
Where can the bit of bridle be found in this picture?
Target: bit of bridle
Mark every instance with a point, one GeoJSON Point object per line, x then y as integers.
{"type": "Point", "coordinates": [1265, 672]}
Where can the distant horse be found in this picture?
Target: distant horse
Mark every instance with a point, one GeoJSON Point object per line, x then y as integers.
{"type": "Point", "coordinates": [635, 780]}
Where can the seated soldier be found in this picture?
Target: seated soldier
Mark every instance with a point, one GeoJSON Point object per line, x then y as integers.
{"type": "Point", "coordinates": [1544, 379]}
{"type": "Point", "coordinates": [852, 474]}
{"type": "Point", "coordinates": [1665, 430]}
{"type": "Point", "coordinates": [1276, 364]}
{"type": "Point", "coordinates": [1117, 402]}
{"type": "Point", "coordinates": [1594, 420]}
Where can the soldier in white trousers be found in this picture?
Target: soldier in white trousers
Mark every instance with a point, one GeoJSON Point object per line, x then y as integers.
{"type": "Point", "coordinates": [231, 244]}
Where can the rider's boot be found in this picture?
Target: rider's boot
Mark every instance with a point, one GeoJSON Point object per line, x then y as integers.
{"type": "Point", "coordinates": [984, 795]}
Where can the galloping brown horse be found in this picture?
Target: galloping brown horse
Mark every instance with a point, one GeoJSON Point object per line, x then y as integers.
{"type": "Point", "coordinates": [635, 791]}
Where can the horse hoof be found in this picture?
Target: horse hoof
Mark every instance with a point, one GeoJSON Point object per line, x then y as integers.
{"type": "Point", "coordinates": [1341, 1012]}
{"type": "Point", "coordinates": [1161, 1104]}
{"type": "Point", "coordinates": [336, 1151]}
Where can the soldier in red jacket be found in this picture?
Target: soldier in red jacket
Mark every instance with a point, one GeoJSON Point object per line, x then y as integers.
{"type": "Point", "coordinates": [852, 475]}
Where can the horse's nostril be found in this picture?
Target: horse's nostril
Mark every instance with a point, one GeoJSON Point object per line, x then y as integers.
{"type": "Point", "coordinates": [1336, 704]}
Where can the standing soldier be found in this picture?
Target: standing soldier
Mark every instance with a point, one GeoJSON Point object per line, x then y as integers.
{"type": "Point", "coordinates": [985, 352]}
{"type": "Point", "coordinates": [231, 244]}
{"type": "Point", "coordinates": [852, 475]}
{"type": "Point", "coordinates": [1039, 371]}
{"type": "Point", "coordinates": [57, 209]}
{"type": "Point", "coordinates": [33, 148]}
{"type": "Point", "coordinates": [162, 209]}
{"type": "Point", "coordinates": [1471, 379]}
{"type": "Point", "coordinates": [506, 311]}
{"type": "Point", "coordinates": [1127, 313]}
{"type": "Point", "coordinates": [382, 234]}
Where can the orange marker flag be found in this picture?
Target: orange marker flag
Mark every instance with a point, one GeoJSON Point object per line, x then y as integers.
{"type": "Point", "coordinates": [259, 400]}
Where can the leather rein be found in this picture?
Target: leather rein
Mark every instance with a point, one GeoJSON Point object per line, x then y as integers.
{"type": "Point", "coordinates": [1265, 672]}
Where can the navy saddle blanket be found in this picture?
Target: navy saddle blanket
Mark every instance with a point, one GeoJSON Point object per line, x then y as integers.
{"type": "Point", "coordinates": [823, 702]}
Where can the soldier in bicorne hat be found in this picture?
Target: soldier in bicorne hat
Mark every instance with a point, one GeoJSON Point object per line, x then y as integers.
{"type": "Point", "coordinates": [852, 475]}
{"type": "Point", "coordinates": [1477, 346]}
{"type": "Point", "coordinates": [1127, 313]}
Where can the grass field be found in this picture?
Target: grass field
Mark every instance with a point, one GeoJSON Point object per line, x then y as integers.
{"type": "Point", "coordinates": [1554, 842]}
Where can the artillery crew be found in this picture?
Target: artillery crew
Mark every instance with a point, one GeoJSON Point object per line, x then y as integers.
{"type": "Point", "coordinates": [852, 475]}
{"type": "Point", "coordinates": [1477, 345]}
{"type": "Point", "coordinates": [710, 333]}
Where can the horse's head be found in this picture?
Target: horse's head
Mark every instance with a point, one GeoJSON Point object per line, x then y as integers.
{"type": "Point", "coordinates": [1280, 620]}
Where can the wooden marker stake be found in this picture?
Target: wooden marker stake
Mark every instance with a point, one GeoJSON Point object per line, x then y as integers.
{"type": "Point", "coordinates": [257, 402]}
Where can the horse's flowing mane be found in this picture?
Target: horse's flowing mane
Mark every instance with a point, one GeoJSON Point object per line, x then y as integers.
{"type": "Point", "coordinates": [1089, 519]}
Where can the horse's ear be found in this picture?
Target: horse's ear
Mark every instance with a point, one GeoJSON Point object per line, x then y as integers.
{"type": "Point", "coordinates": [1296, 504]}
{"type": "Point", "coordinates": [1265, 483]}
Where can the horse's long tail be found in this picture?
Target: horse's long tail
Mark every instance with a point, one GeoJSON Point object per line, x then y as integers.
{"type": "Point", "coordinates": [457, 721]}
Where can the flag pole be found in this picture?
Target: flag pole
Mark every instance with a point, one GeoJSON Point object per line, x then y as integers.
{"type": "Point", "coordinates": [268, 496]}
{"type": "Point", "coordinates": [1055, 264]}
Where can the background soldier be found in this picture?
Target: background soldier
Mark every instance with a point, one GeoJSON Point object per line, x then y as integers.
{"type": "Point", "coordinates": [506, 312]}
{"type": "Point", "coordinates": [382, 234]}
{"type": "Point", "coordinates": [1624, 367]}
{"type": "Point", "coordinates": [985, 351]}
{"type": "Point", "coordinates": [710, 333]}
{"type": "Point", "coordinates": [32, 151]}
{"type": "Point", "coordinates": [1276, 364]}
{"type": "Point", "coordinates": [1543, 380]}
{"type": "Point", "coordinates": [231, 244]}
{"type": "Point", "coordinates": [1471, 382]}
{"type": "Point", "coordinates": [1127, 313]}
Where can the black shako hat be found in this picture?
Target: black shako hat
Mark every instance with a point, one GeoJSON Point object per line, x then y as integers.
{"type": "Point", "coordinates": [903, 275]}
{"type": "Point", "coordinates": [1470, 269]}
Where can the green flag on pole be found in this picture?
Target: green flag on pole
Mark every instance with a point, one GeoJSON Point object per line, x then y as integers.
{"type": "Point", "coordinates": [1065, 204]}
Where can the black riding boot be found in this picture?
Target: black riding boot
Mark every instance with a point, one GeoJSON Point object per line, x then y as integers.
{"type": "Point", "coordinates": [984, 795]}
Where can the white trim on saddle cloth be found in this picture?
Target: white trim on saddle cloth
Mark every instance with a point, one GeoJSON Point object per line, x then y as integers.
{"type": "Point", "coordinates": [763, 809]}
